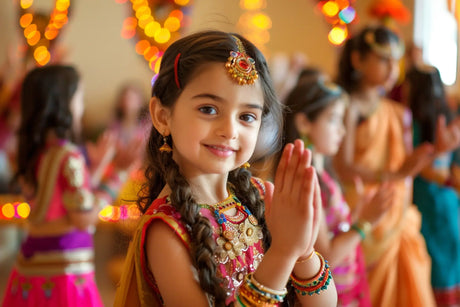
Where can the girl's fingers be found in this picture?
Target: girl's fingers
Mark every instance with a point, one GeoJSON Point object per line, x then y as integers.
{"type": "Point", "coordinates": [298, 180]}
{"type": "Point", "coordinates": [308, 152]}
{"type": "Point", "coordinates": [317, 207]}
{"type": "Point", "coordinates": [292, 167]}
{"type": "Point", "coordinates": [281, 169]}
{"type": "Point", "coordinates": [308, 190]}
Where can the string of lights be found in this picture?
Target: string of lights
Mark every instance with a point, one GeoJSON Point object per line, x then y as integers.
{"type": "Point", "coordinates": [339, 14]}
{"type": "Point", "coordinates": [155, 25]}
{"type": "Point", "coordinates": [39, 33]}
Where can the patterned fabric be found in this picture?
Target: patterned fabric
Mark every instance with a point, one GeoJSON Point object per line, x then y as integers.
{"type": "Point", "coordinates": [138, 286]}
{"type": "Point", "coordinates": [57, 269]}
{"type": "Point", "coordinates": [350, 275]}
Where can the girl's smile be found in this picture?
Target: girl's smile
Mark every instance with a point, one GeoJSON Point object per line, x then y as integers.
{"type": "Point", "coordinates": [221, 151]}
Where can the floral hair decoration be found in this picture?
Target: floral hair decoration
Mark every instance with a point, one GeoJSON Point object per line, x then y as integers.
{"type": "Point", "coordinates": [240, 66]}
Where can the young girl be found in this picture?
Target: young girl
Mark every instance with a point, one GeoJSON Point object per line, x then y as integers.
{"type": "Point", "coordinates": [55, 264]}
{"type": "Point", "coordinates": [378, 148]}
{"type": "Point", "coordinates": [315, 114]}
{"type": "Point", "coordinates": [434, 194]}
{"type": "Point", "coordinates": [203, 239]}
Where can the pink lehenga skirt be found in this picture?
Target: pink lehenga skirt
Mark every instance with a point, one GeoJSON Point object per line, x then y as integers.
{"type": "Point", "coordinates": [54, 271]}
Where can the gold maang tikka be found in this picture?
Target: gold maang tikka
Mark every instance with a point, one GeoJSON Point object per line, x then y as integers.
{"type": "Point", "coordinates": [240, 66]}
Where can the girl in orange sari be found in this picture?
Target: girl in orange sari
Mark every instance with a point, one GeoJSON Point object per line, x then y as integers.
{"type": "Point", "coordinates": [378, 148]}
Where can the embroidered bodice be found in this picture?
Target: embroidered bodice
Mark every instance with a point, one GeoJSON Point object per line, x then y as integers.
{"type": "Point", "coordinates": [238, 238]}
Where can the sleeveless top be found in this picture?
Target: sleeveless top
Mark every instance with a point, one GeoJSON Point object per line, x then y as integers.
{"type": "Point", "coordinates": [238, 251]}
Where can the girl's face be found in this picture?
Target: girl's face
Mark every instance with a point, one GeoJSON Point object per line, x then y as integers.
{"type": "Point", "coordinates": [378, 70]}
{"type": "Point", "coordinates": [327, 131]}
{"type": "Point", "coordinates": [215, 122]}
{"type": "Point", "coordinates": [131, 102]}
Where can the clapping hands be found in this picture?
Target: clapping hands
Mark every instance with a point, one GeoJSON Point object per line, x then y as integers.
{"type": "Point", "coordinates": [293, 204]}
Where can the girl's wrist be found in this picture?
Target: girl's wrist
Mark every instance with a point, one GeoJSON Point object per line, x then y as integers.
{"type": "Point", "coordinates": [306, 257]}
{"type": "Point", "coordinates": [362, 227]}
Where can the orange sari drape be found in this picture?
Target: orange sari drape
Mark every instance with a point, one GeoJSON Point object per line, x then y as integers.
{"type": "Point", "coordinates": [398, 264]}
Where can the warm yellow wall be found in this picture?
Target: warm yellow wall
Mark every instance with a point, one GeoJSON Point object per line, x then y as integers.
{"type": "Point", "coordinates": [106, 60]}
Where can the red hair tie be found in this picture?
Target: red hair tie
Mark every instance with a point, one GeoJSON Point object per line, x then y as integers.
{"type": "Point", "coordinates": [176, 76]}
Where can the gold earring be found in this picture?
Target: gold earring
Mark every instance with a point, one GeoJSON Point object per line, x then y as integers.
{"type": "Point", "coordinates": [165, 147]}
{"type": "Point", "coordinates": [246, 165]}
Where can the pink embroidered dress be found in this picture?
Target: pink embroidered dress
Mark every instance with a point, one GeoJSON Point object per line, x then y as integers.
{"type": "Point", "coordinates": [57, 269]}
{"type": "Point", "coordinates": [350, 276]}
{"type": "Point", "coordinates": [239, 251]}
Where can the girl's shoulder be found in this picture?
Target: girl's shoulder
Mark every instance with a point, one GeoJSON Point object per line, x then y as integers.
{"type": "Point", "coordinates": [162, 210]}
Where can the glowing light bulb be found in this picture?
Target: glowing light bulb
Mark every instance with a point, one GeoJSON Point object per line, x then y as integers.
{"type": "Point", "coordinates": [330, 8]}
{"type": "Point", "coordinates": [8, 211]}
{"type": "Point", "coordinates": [23, 210]}
{"type": "Point", "coordinates": [337, 35]}
{"type": "Point", "coordinates": [162, 36]}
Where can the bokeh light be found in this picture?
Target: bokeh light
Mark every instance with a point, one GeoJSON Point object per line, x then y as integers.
{"type": "Point", "coordinates": [337, 35]}
{"type": "Point", "coordinates": [26, 20]}
{"type": "Point", "coordinates": [251, 5]}
{"type": "Point", "coordinates": [347, 15]}
{"type": "Point", "coordinates": [8, 211]}
{"type": "Point", "coordinates": [25, 4]}
{"type": "Point", "coordinates": [162, 36]}
{"type": "Point", "coordinates": [23, 210]}
{"type": "Point", "coordinates": [261, 21]}
{"type": "Point", "coordinates": [155, 33]}
{"type": "Point", "coordinates": [330, 8]}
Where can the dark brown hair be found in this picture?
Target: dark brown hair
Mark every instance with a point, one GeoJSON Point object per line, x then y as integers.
{"type": "Point", "coordinates": [347, 76]}
{"type": "Point", "coordinates": [45, 106]}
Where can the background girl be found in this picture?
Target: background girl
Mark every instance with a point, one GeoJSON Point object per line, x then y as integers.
{"type": "Point", "coordinates": [55, 264]}
{"type": "Point", "coordinates": [315, 111]}
{"type": "Point", "coordinates": [203, 238]}
{"type": "Point", "coordinates": [378, 148]}
{"type": "Point", "coordinates": [434, 194]}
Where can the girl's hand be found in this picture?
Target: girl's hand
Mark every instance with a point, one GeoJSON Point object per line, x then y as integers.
{"type": "Point", "coordinates": [447, 136]}
{"type": "Point", "coordinates": [101, 153]}
{"type": "Point", "coordinates": [293, 204]}
{"type": "Point", "coordinates": [128, 155]}
{"type": "Point", "coordinates": [376, 204]}
{"type": "Point", "coordinates": [419, 159]}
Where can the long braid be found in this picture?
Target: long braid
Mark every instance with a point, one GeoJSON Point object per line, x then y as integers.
{"type": "Point", "coordinates": [199, 227]}
{"type": "Point", "coordinates": [202, 241]}
{"type": "Point", "coordinates": [249, 195]}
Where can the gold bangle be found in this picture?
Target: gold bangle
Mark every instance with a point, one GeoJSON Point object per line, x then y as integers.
{"type": "Point", "coordinates": [306, 259]}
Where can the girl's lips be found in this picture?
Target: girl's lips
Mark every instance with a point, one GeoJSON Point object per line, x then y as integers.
{"type": "Point", "coordinates": [220, 151]}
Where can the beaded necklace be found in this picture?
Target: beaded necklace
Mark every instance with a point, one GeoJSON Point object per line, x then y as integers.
{"type": "Point", "coordinates": [236, 232]}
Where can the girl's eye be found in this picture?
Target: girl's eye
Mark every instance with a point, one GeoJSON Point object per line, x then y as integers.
{"type": "Point", "coordinates": [249, 118]}
{"type": "Point", "coordinates": [208, 110]}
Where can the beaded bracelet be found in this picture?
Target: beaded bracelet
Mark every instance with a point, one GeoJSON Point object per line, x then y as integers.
{"type": "Point", "coordinates": [253, 293]}
{"type": "Point", "coordinates": [315, 284]}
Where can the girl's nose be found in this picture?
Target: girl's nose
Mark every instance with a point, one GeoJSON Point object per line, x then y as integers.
{"type": "Point", "coordinates": [227, 128]}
